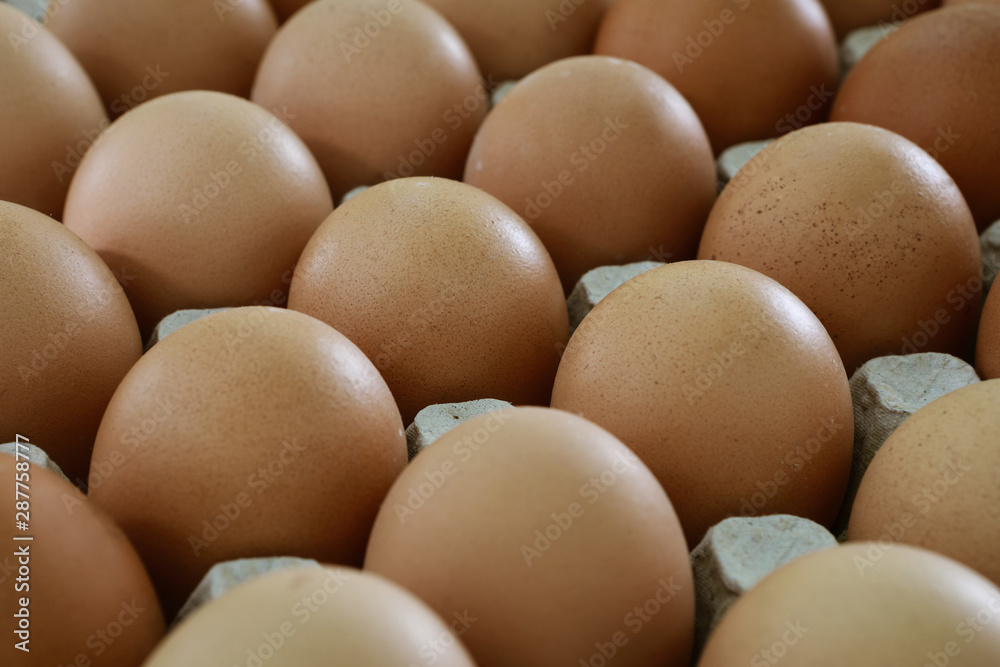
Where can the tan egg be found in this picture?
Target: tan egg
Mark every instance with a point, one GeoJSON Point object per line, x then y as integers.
{"type": "Point", "coordinates": [512, 38]}
{"type": "Point", "coordinates": [447, 291]}
{"type": "Point", "coordinates": [724, 384]}
{"type": "Point", "coordinates": [67, 338]}
{"type": "Point", "coordinates": [50, 114]}
{"type": "Point", "coordinates": [936, 81]}
{"type": "Point", "coordinates": [751, 70]}
{"type": "Point", "coordinates": [849, 15]}
{"type": "Point", "coordinates": [136, 51]}
{"type": "Point", "coordinates": [378, 90]}
{"type": "Point", "coordinates": [75, 592]}
{"type": "Point", "coordinates": [315, 618]}
{"type": "Point", "coordinates": [285, 8]}
{"type": "Point", "coordinates": [864, 227]}
{"type": "Point", "coordinates": [625, 174]}
{"type": "Point", "coordinates": [551, 534]}
{"type": "Point", "coordinates": [866, 606]}
{"type": "Point", "coordinates": [936, 481]}
{"type": "Point", "coordinates": [201, 200]}
{"type": "Point", "coordinates": [251, 432]}
{"type": "Point", "coordinates": [988, 342]}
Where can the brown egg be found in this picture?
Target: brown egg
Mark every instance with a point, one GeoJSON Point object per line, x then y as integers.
{"type": "Point", "coordinates": [988, 342]}
{"type": "Point", "coordinates": [949, 3]}
{"type": "Point", "coordinates": [50, 114]}
{"type": "Point", "coordinates": [285, 8]}
{"type": "Point", "coordinates": [751, 70]}
{"type": "Point", "coordinates": [75, 592]}
{"type": "Point", "coordinates": [849, 15]}
{"type": "Point", "coordinates": [512, 38]}
{"type": "Point", "coordinates": [551, 534]}
{"type": "Point", "coordinates": [936, 481]}
{"type": "Point", "coordinates": [250, 432]}
{"type": "Point", "coordinates": [67, 337]}
{"type": "Point", "coordinates": [202, 200]}
{"type": "Point", "coordinates": [447, 291]}
{"type": "Point", "coordinates": [378, 91]}
{"type": "Point", "coordinates": [625, 175]}
{"type": "Point", "coordinates": [936, 81]}
{"type": "Point", "coordinates": [724, 384]}
{"type": "Point", "coordinates": [316, 618]}
{"type": "Point", "coordinates": [140, 50]}
{"type": "Point", "coordinates": [866, 229]}
{"type": "Point", "coordinates": [866, 606]}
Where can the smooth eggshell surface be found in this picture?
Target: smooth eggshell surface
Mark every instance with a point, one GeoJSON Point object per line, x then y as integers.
{"type": "Point", "coordinates": [988, 342]}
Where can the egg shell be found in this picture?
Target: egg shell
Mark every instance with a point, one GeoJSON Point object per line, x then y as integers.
{"type": "Point", "coordinates": [606, 161]}
{"type": "Point", "coordinates": [50, 114]}
{"type": "Point", "coordinates": [314, 618]}
{"type": "Point", "coordinates": [67, 337]}
{"type": "Point", "coordinates": [936, 81]}
{"type": "Point", "coordinates": [251, 432]}
{"type": "Point", "coordinates": [867, 229]}
{"type": "Point", "coordinates": [849, 15]}
{"type": "Point", "coordinates": [988, 342]}
{"type": "Point", "coordinates": [724, 384]}
{"type": "Point", "coordinates": [863, 605]}
{"type": "Point", "coordinates": [512, 38]}
{"type": "Point", "coordinates": [549, 531]}
{"type": "Point", "coordinates": [88, 597]}
{"type": "Point", "coordinates": [201, 200]}
{"type": "Point", "coordinates": [935, 483]}
{"type": "Point", "coordinates": [136, 51]}
{"type": "Point", "coordinates": [447, 291]}
{"type": "Point", "coordinates": [377, 90]}
{"type": "Point", "coordinates": [751, 70]}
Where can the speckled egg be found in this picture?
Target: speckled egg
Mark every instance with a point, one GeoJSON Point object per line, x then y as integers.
{"type": "Point", "coordinates": [314, 618]}
{"type": "Point", "coordinates": [751, 70]}
{"type": "Point", "coordinates": [251, 432]}
{"type": "Point", "coordinates": [377, 90]}
{"type": "Point", "coordinates": [67, 337]}
{"type": "Point", "coordinates": [201, 200]}
{"type": "Point", "coordinates": [724, 384]}
{"type": "Point", "coordinates": [50, 114]}
{"type": "Point", "coordinates": [936, 81]}
{"type": "Point", "coordinates": [988, 342]}
{"type": "Point", "coordinates": [936, 481]}
{"type": "Point", "coordinates": [76, 591]}
{"type": "Point", "coordinates": [136, 51]}
{"type": "Point", "coordinates": [445, 288]}
{"type": "Point", "coordinates": [547, 530]}
{"type": "Point", "coordinates": [605, 160]}
{"type": "Point", "coordinates": [863, 605]}
{"type": "Point", "coordinates": [867, 229]}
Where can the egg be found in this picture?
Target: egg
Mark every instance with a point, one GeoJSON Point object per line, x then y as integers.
{"type": "Point", "coordinates": [447, 291]}
{"type": "Point", "coordinates": [76, 592]}
{"type": "Point", "coordinates": [201, 200]}
{"type": "Point", "coordinates": [724, 384]}
{"type": "Point", "coordinates": [862, 605]}
{"type": "Point", "coordinates": [285, 8]}
{"type": "Point", "coordinates": [988, 342]}
{"type": "Point", "coordinates": [248, 433]}
{"type": "Point", "coordinates": [140, 50]}
{"type": "Point", "coordinates": [67, 337]}
{"type": "Point", "coordinates": [936, 481]}
{"type": "Point", "coordinates": [50, 114]}
{"type": "Point", "coordinates": [547, 530]}
{"type": "Point", "coordinates": [867, 229]}
{"type": "Point", "coordinates": [936, 81]}
{"type": "Point", "coordinates": [377, 90]}
{"type": "Point", "coordinates": [313, 618]}
{"type": "Point", "coordinates": [606, 161]}
{"type": "Point", "coordinates": [849, 15]}
{"type": "Point", "coordinates": [751, 70]}
{"type": "Point", "coordinates": [512, 38]}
